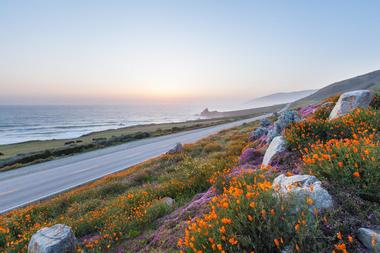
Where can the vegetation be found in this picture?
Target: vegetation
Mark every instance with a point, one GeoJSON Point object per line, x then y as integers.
{"type": "Point", "coordinates": [348, 163]}
{"type": "Point", "coordinates": [121, 206]}
{"type": "Point", "coordinates": [249, 217]}
{"type": "Point", "coordinates": [244, 213]}
{"type": "Point", "coordinates": [301, 135]}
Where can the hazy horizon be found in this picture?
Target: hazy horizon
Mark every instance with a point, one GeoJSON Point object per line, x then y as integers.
{"type": "Point", "coordinates": [117, 52]}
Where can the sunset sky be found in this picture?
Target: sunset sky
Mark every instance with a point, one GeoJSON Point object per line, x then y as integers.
{"type": "Point", "coordinates": [129, 51]}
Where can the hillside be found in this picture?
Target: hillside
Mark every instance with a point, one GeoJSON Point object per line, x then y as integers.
{"type": "Point", "coordinates": [279, 98]}
{"type": "Point", "coordinates": [367, 81]}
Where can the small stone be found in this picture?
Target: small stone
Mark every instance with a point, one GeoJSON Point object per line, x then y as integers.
{"type": "Point", "coordinates": [168, 201]}
{"type": "Point", "coordinates": [370, 238]}
{"type": "Point", "coordinates": [56, 239]}
{"type": "Point", "coordinates": [349, 101]}
{"type": "Point", "coordinates": [277, 145]}
{"type": "Point", "coordinates": [303, 186]}
{"type": "Point", "coordinates": [178, 148]}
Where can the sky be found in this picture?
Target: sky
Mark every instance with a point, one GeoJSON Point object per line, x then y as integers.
{"type": "Point", "coordinates": [77, 51]}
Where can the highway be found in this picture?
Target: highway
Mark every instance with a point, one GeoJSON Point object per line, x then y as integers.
{"type": "Point", "coordinates": [28, 184]}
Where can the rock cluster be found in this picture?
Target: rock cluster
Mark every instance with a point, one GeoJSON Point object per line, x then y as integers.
{"type": "Point", "coordinates": [282, 122]}
{"type": "Point", "coordinates": [257, 133]}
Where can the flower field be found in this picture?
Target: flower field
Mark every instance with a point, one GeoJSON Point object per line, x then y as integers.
{"type": "Point", "coordinates": [247, 216]}
{"type": "Point", "coordinates": [123, 205]}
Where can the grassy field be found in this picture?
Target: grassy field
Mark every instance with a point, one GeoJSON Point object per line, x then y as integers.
{"type": "Point", "coordinates": [123, 206]}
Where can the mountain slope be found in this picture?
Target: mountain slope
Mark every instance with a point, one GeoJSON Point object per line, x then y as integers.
{"type": "Point", "coordinates": [279, 98]}
{"type": "Point", "coordinates": [367, 81]}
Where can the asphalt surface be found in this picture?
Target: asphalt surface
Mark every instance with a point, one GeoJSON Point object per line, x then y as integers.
{"type": "Point", "coordinates": [25, 185]}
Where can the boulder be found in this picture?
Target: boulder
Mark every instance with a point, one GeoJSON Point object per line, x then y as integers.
{"type": "Point", "coordinates": [56, 239]}
{"type": "Point", "coordinates": [303, 186]}
{"type": "Point", "coordinates": [370, 238]}
{"type": "Point", "coordinates": [349, 101]}
{"type": "Point", "coordinates": [178, 148]}
{"type": "Point", "coordinates": [257, 133]}
{"type": "Point", "coordinates": [265, 122]}
{"type": "Point", "coordinates": [168, 201]}
{"type": "Point", "coordinates": [277, 145]}
{"type": "Point", "coordinates": [281, 123]}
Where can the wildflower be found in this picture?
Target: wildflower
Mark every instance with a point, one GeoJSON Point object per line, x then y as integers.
{"type": "Point", "coordinates": [226, 221]}
{"type": "Point", "coordinates": [222, 229]}
{"type": "Point", "coordinates": [232, 240]}
{"type": "Point", "coordinates": [297, 227]}
{"type": "Point", "coordinates": [341, 247]}
{"type": "Point", "coordinates": [340, 164]}
{"type": "Point", "coordinates": [309, 201]}
{"type": "Point", "coordinates": [276, 242]}
{"type": "Point", "coordinates": [356, 174]}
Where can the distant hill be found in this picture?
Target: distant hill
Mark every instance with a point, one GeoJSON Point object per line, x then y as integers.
{"type": "Point", "coordinates": [367, 81]}
{"type": "Point", "coordinates": [279, 98]}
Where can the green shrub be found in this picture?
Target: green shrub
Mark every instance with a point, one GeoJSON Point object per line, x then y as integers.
{"type": "Point", "coordinates": [212, 147]}
{"type": "Point", "coordinates": [347, 164]}
{"type": "Point", "coordinates": [375, 103]}
{"type": "Point", "coordinates": [323, 112]}
{"type": "Point", "coordinates": [248, 217]}
{"type": "Point", "coordinates": [301, 135]}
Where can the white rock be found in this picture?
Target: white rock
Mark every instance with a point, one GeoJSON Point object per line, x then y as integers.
{"type": "Point", "coordinates": [349, 101]}
{"type": "Point", "coordinates": [370, 238]}
{"type": "Point", "coordinates": [303, 186]}
{"type": "Point", "coordinates": [168, 201]}
{"type": "Point", "coordinates": [56, 239]}
{"type": "Point", "coordinates": [277, 145]}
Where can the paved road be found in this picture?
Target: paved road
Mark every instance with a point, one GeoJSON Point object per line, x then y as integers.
{"type": "Point", "coordinates": [28, 184]}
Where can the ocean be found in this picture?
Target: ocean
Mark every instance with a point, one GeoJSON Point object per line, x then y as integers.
{"type": "Point", "coordinates": [25, 123]}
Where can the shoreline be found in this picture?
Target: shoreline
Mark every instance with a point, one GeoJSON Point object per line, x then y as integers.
{"type": "Point", "coordinates": [31, 152]}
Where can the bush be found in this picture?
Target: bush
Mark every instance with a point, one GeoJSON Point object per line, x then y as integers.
{"type": "Point", "coordinates": [375, 103]}
{"type": "Point", "coordinates": [212, 147]}
{"type": "Point", "coordinates": [248, 217]}
{"type": "Point", "coordinates": [301, 135]}
{"type": "Point", "coordinates": [347, 163]}
{"type": "Point", "coordinates": [323, 112]}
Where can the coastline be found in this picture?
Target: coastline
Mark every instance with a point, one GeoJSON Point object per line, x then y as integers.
{"type": "Point", "coordinates": [31, 152]}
